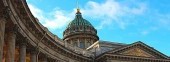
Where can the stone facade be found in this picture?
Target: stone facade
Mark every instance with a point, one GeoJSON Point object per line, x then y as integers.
{"type": "Point", "coordinates": [24, 39]}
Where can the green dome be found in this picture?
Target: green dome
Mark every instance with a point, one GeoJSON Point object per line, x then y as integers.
{"type": "Point", "coordinates": [79, 21]}
{"type": "Point", "coordinates": [80, 28]}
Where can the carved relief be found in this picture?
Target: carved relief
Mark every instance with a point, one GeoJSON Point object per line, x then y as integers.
{"type": "Point", "coordinates": [136, 52]}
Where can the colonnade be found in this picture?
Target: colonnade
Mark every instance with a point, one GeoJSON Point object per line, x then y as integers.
{"type": "Point", "coordinates": [9, 43]}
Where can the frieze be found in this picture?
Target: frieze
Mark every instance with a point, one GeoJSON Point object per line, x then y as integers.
{"type": "Point", "coordinates": [136, 52]}
{"type": "Point", "coordinates": [128, 58]}
{"type": "Point", "coordinates": [22, 11]}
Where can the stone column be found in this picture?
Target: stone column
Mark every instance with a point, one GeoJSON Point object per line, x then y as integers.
{"type": "Point", "coordinates": [2, 32]}
{"type": "Point", "coordinates": [33, 56]}
{"type": "Point", "coordinates": [10, 40]}
{"type": "Point", "coordinates": [65, 43]}
{"type": "Point", "coordinates": [3, 16]}
{"type": "Point", "coordinates": [22, 50]}
{"type": "Point", "coordinates": [44, 59]}
{"type": "Point", "coordinates": [85, 43]}
{"type": "Point", "coordinates": [78, 42]}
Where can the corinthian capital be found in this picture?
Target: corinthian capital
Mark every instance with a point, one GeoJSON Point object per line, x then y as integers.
{"type": "Point", "coordinates": [14, 28]}
{"type": "Point", "coordinates": [22, 41]}
{"type": "Point", "coordinates": [4, 12]}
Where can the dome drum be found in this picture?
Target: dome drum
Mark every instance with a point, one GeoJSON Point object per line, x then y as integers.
{"type": "Point", "coordinates": [95, 37]}
{"type": "Point", "coordinates": [67, 33]}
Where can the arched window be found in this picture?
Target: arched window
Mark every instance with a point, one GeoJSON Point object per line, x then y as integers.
{"type": "Point", "coordinates": [82, 44]}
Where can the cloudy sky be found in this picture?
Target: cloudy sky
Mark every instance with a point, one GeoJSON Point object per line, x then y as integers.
{"type": "Point", "coordinates": [123, 21]}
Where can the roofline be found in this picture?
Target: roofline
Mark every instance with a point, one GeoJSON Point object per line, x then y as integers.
{"type": "Point", "coordinates": [110, 42]}
{"type": "Point", "coordinates": [139, 42]}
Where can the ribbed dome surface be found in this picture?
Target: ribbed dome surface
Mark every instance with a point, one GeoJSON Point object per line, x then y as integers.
{"type": "Point", "coordinates": [79, 21]}
{"type": "Point", "coordinates": [79, 25]}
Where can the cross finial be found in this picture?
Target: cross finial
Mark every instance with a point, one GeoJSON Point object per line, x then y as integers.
{"type": "Point", "coordinates": [78, 9]}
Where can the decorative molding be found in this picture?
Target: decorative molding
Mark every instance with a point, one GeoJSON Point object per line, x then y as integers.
{"type": "Point", "coordinates": [137, 52]}
{"type": "Point", "coordinates": [131, 58]}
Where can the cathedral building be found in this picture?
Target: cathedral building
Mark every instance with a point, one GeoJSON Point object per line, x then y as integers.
{"type": "Point", "coordinates": [24, 39]}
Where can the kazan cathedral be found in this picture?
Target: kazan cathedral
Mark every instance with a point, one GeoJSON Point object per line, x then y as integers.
{"type": "Point", "coordinates": [24, 39]}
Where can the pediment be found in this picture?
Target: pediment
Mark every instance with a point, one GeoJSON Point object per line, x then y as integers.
{"type": "Point", "coordinates": [137, 52]}
{"type": "Point", "coordinates": [139, 49]}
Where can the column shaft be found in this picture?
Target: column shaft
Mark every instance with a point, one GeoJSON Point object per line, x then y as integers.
{"type": "Point", "coordinates": [10, 46]}
{"type": "Point", "coordinates": [45, 59]}
{"type": "Point", "coordinates": [22, 53]}
{"type": "Point", "coordinates": [33, 56]}
{"type": "Point", "coordinates": [2, 32]}
{"type": "Point", "coordinates": [78, 42]}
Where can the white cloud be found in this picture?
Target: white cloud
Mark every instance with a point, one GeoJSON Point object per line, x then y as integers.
{"type": "Point", "coordinates": [103, 24]}
{"type": "Point", "coordinates": [109, 8]}
{"type": "Point", "coordinates": [58, 21]}
{"type": "Point", "coordinates": [107, 13]}
{"type": "Point", "coordinates": [111, 12]}
{"type": "Point", "coordinates": [36, 12]}
{"type": "Point", "coordinates": [58, 18]}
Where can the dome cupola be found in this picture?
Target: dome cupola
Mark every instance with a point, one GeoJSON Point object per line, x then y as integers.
{"type": "Point", "coordinates": [79, 21]}
{"type": "Point", "coordinates": [80, 32]}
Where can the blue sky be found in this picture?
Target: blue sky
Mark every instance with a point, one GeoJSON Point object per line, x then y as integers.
{"type": "Point", "coordinates": [124, 21]}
